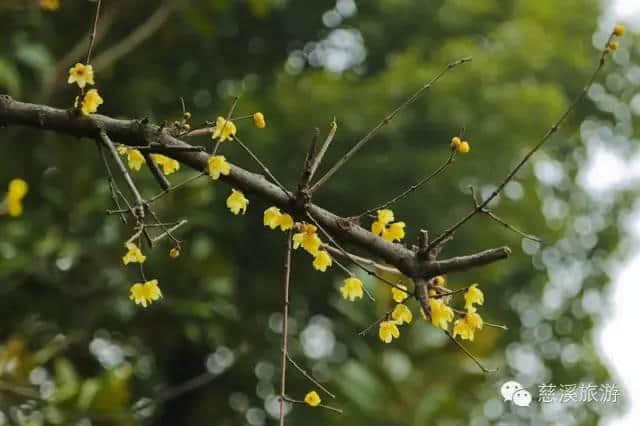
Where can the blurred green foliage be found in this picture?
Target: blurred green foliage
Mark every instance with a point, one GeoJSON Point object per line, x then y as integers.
{"type": "Point", "coordinates": [69, 332]}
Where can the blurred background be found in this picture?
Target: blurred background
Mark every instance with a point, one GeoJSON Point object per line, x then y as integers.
{"type": "Point", "coordinates": [75, 350]}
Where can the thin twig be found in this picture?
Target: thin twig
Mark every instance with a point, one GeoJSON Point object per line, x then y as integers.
{"type": "Point", "coordinates": [92, 37]}
{"type": "Point", "coordinates": [451, 230]}
{"type": "Point", "coordinates": [469, 354]}
{"type": "Point", "coordinates": [309, 376]}
{"type": "Point", "coordinates": [176, 186]}
{"type": "Point", "coordinates": [112, 184]}
{"type": "Point", "coordinates": [412, 188]}
{"type": "Point", "coordinates": [355, 258]}
{"type": "Point", "coordinates": [502, 221]}
{"type": "Point", "coordinates": [139, 211]}
{"type": "Point", "coordinates": [376, 322]}
{"type": "Point", "coordinates": [156, 172]}
{"type": "Point", "coordinates": [297, 401]}
{"type": "Point", "coordinates": [285, 326]}
{"type": "Point", "coordinates": [317, 159]}
{"type": "Point", "coordinates": [168, 231]}
{"type": "Point", "coordinates": [264, 168]}
{"type": "Point", "coordinates": [305, 177]}
{"type": "Point", "coordinates": [384, 122]}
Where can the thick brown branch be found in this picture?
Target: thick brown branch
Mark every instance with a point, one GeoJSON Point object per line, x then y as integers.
{"type": "Point", "coordinates": [141, 133]}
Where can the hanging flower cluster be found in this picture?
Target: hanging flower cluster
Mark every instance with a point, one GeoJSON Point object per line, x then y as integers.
{"type": "Point", "coordinates": [382, 226]}
{"type": "Point", "coordinates": [141, 293]}
{"type": "Point", "coordinates": [89, 101]}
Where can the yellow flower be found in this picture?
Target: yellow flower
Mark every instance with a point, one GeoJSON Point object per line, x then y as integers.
{"type": "Point", "coordinates": [472, 296]}
{"type": "Point", "coordinates": [169, 165]}
{"type": "Point", "coordinates": [218, 166]}
{"type": "Point", "coordinates": [613, 44]}
{"type": "Point", "coordinates": [225, 130]}
{"type": "Point", "coordinates": [272, 217]}
{"type": "Point", "coordinates": [384, 217]}
{"type": "Point", "coordinates": [258, 118]}
{"type": "Point", "coordinates": [441, 314]}
{"type": "Point", "coordinates": [285, 221]}
{"type": "Point", "coordinates": [464, 147]}
{"type": "Point", "coordinates": [388, 330]}
{"type": "Point", "coordinates": [50, 5]}
{"type": "Point", "coordinates": [438, 280]}
{"type": "Point", "coordinates": [308, 239]}
{"type": "Point", "coordinates": [401, 314]}
{"type": "Point", "coordinates": [133, 255]}
{"type": "Point", "coordinates": [90, 102]}
{"type": "Point", "coordinates": [134, 157]}
{"type": "Point", "coordinates": [80, 74]}
{"type": "Point", "coordinates": [352, 289]}
{"type": "Point", "coordinates": [395, 231]}
{"type": "Point", "coordinates": [312, 398]}
{"type": "Point", "coordinates": [466, 326]}
{"type": "Point", "coordinates": [237, 201]}
{"type": "Point", "coordinates": [398, 295]}
{"type": "Point", "coordinates": [174, 252]}
{"type": "Point", "coordinates": [145, 293]}
{"type": "Point", "coordinates": [619, 30]}
{"type": "Point", "coordinates": [455, 142]}
{"type": "Point", "coordinates": [18, 188]}
{"type": "Point", "coordinates": [322, 261]}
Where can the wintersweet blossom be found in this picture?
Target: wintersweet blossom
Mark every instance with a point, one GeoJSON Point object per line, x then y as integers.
{"type": "Point", "coordinates": [224, 130]}
{"type": "Point", "coordinates": [135, 158]}
{"type": "Point", "coordinates": [459, 145]}
{"type": "Point", "coordinates": [388, 330]}
{"type": "Point", "coordinates": [398, 295]}
{"type": "Point", "coordinates": [618, 30]}
{"type": "Point", "coordinates": [18, 188]}
{"type": "Point", "coordinates": [258, 119]}
{"type": "Point", "coordinates": [274, 218]}
{"type": "Point", "coordinates": [441, 314]}
{"type": "Point", "coordinates": [174, 252]}
{"type": "Point", "coordinates": [322, 261]}
{"type": "Point", "coordinates": [237, 202]}
{"type": "Point", "coordinates": [351, 289]}
{"type": "Point", "coordinates": [133, 255]}
{"type": "Point", "coordinates": [312, 399]}
{"type": "Point", "coordinates": [81, 74]}
{"type": "Point", "coordinates": [218, 166]}
{"type": "Point", "coordinates": [385, 216]}
{"type": "Point", "coordinates": [395, 232]}
{"type": "Point", "coordinates": [308, 239]}
{"type": "Point", "coordinates": [145, 293]}
{"type": "Point", "coordinates": [90, 102]}
{"type": "Point", "coordinates": [465, 327]}
{"type": "Point", "coordinates": [401, 314]}
{"type": "Point", "coordinates": [169, 165]}
{"type": "Point", "coordinates": [472, 296]}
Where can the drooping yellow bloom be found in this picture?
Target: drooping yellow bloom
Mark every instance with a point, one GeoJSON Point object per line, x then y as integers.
{"type": "Point", "coordinates": [258, 118]}
{"type": "Point", "coordinates": [351, 289]}
{"type": "Point", "coordinates": [385, 216]}
{"type": "Point", "coordinates": [308, 239]}
{"type": "Point", "coordinates": [285, 221]}
{"type": "Point", "coordinates": [224, 130]}
{"type": "Point", "coordinates": [472, 296]}
{"type": "Point", "coordinates": [394, 232]}
{"type": "Point", "coordinates": [174, 252]}
{"type": "Point", "coordinates": [90, 102]}
{"type": "Point", "coordinates": [464, 147]}
{"type": "Point", "coordinates": [134, 157]}
{"type": "Point", "coordinates": [133, 255]}
{"type": "Point", "coordinates": [50, 5]}
{"type": "Point", "coordinates": [455, 142]}
{"type": "Point", "coordinates": [169, 165]}
{"type": "Point", "coordinates": [613, 45]}
{"type": "Point", "coordinates": [145, 293]}
{"type": "Point", "coordinates": [272, 217]}
{"type": "Point", "coordinates": [466, 326]}
{"type": "Point", "coordinates": [398, 295]}
{"type": "Point", "coordinates": [441, 314]}
{"type": "Point", "coordinates": [388, 330]}
{"type": "Point", "coordinates": [80, 74]}
{"type": "Point", "coordinates": [18, 188]}
{"type": "Point", "coordinates": [619, 30]}
{"type": "Point", "coordinates": [237, 201]}
{"type": "Point", "coordinates": [218, 166]}
{"type": "Point", "coordinates": [401, 314]}
{"type": "Point", "coordinates": [438, 280]}
{"type": "Point", "coordinates": [312, 399]}
{"type": "Point", "coordinates": [322, 261]}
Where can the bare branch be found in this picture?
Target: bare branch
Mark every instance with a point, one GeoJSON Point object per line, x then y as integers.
{"type": "Point", "coordinates": [285, 326]}
{"type": "Point", "coordinates": [317, 159]}
{"type": "Point", "coordinates": [383, 123]}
